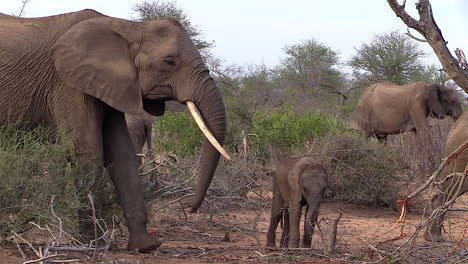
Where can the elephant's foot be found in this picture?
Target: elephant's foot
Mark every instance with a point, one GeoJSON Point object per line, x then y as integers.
{"type": "Point", "coordinates": [433, 237]}
{"type": "Point", "coordinates": [307, 244]}
{"type": "Point", "coordinates": [270, 245]}
{"type": "Point", "coordinates": [144, 243]}
{"type": "Point", "coordinates": [293, 244]}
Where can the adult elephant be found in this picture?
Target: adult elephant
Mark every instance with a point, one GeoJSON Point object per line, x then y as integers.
{"type": "Point", "coordinates": [386, 108]}
{"type": "Point", "coordinates": [458, 135]}
{"type": "Point", "coordinates": [80, 72]}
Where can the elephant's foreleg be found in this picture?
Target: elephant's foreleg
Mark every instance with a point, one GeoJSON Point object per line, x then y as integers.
{"type": "Point", "coordinates": [284, 242]}
{"type": "Point", "coordinates": [119, 155]}
{"type": "Point", "coordinates": [434, 229]}
{"type": "Point", "coordinates": [276, 215]}
{"type": "Point", "coordinates": [294, 222]}
{"type": "Point", "coordinates": [310, 221]}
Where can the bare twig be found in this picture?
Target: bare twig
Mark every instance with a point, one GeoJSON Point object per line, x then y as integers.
{"type": "Point", "coordinates": [408, 33]}
{"type": "Point", "coordinates": [22, 7]}
{"type": "Point", "coordinates": [19, 248]}
{"type": "Point", "coordinates": [59, 238]}
{"type": "Point", "coordinates": [174, 201]}
{"type": "Point", "coordinates": [48, 257]}
{"type": "Point", "coordinates": [27, 243]}
{"type": "Point", "coordinates": [461, 58]}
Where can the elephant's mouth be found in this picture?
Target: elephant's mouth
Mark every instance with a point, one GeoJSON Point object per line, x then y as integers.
{"type": "Point", "coordinates": [434, 115]}
{"type": "Point", "coordinates": [454, 115]}
{"type": "Point", "coordinates": [161, 92]}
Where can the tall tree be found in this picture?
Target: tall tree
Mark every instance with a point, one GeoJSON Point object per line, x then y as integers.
{"type": "Point", "coordinates": [309, 64]}
{"type": "Point", "coordinates": [457, 68]}
{"type": "Point", "coordinates": [308, 71]}
{"type": "Point", "coordinates": [390, 57]}
{"type": "Point", "coordinates": [167, 9]}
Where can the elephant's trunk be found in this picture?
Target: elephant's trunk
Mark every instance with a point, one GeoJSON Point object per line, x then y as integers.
{"type": "Point", "coordinates": [210, 104]}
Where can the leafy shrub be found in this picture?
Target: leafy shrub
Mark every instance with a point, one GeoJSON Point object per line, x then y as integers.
{"type": "Point", "coordinates": [177, 132]}
{"type": "Point", "coordinates": [288, 131]}
{"type": "Point", "coordinates": [32, 170]}
{"type": "Point", "coordinates": [361, 171]}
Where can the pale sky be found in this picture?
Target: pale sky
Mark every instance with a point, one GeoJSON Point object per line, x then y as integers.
{"type": "Point", "coordinates": [255, 31]}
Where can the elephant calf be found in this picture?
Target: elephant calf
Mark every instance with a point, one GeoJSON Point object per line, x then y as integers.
{"type": "Point", "coordinates": [297, 182]}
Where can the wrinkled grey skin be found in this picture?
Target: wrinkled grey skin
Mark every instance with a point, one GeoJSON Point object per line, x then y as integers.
{"type": "Point", "coordinates": [140, 128]}
{"type": "Point", "coordinates": [79, 72]}
{"type": "Point", "coordinates": [457, 136]}
{"type": "Point", "coordinates": [387, 109]}
{"type": "Point", "coordinates": [298, 182]}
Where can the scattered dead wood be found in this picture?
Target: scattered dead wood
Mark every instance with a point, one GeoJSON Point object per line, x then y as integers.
{"type": "Point", "coordinates": [49, 252]}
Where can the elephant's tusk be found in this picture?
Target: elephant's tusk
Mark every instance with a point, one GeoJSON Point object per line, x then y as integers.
{"type": "Point", "coordinates": [198, 118]}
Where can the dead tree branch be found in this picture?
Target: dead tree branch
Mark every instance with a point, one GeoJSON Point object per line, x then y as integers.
{"type": "Point", "coordinates": [331, 241]}
{"type": "Point", "coordinates": [48, 253]}
{"type": "Point", "coordinates": [408, 33]}
{"type": "Point", "coordinates": [23, 5]}
{"type": "Point", "coordinates": [427, 27]}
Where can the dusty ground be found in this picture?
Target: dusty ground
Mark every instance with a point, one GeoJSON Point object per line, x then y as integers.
{"type": "Point", "coordinates": [230, 237]}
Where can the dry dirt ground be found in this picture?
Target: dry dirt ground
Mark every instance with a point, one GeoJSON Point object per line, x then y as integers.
{"type": "Point", "coordinates": [231, 237]}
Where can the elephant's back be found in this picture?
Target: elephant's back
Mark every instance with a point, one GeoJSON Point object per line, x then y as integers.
{"type": "Point", "coordinates": [381, 108]}
{"type": "Point", "coordinates": [27, 71]}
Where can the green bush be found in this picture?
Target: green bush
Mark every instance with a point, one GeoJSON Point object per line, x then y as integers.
{"type": "Point", "coordinates": [32, 170]}
{"type": "Point", "coordinates": [287, 131]}
{"type": "Point", "coordinates": [177, 133]}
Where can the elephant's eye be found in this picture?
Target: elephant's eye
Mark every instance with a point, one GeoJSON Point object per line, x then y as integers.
{"type": "Point", "coordinates": [170, 61]}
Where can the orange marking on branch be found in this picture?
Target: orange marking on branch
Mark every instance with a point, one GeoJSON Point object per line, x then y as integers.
{"type": "Point", "coordinates": [403, 203]}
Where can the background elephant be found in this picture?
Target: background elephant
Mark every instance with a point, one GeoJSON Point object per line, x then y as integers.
{"type": "Point", "coordinates": [386, 108]}
{"type": "Point", "coordinates": [80, 72]}
{"type": "Point", "coordinates": [140, 128]}
{"type": "Point", "coordinates": [457, 136]}
{"type": "Point", "coordinates": [297, 182]}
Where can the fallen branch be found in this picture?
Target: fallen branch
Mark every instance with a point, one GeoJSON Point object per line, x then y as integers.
{"type": "Point", "coordinates": [172, 202]}
{"type": "Point", "coordinates": [331, 241]}
{"type": "Point", "coordinates": [48, 257]}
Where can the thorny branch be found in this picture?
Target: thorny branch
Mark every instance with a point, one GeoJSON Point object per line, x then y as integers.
{"type": "Point", "coordinates": [441, 209]}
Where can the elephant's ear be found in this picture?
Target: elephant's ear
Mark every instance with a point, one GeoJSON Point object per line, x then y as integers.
{"type": "Point", "coordinates": [94, 59]}
{"type": "Point", "coordinates": [433, 102]}
{"type": "Point", "coordinates": [294, 181]}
